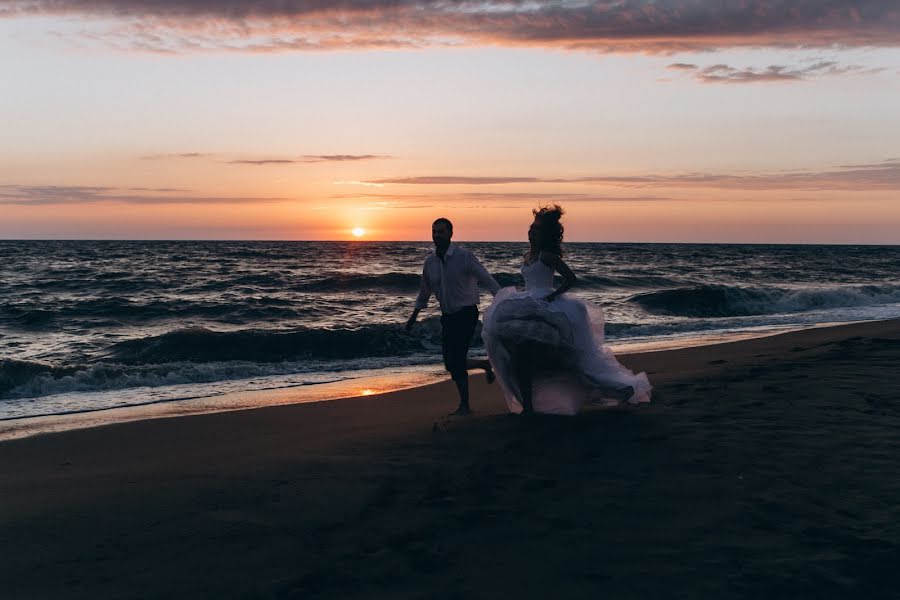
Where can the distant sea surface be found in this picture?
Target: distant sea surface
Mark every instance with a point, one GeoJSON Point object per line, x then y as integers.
{"type": "Point", "coordinates": [88, 325]}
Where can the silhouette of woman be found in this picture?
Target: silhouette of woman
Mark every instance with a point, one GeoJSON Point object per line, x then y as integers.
{"type": "Point", "coordinates": [547, 346]}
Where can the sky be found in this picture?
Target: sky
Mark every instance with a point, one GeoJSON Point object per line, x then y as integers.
{"type": "Point", "coordinates": [764, 121]}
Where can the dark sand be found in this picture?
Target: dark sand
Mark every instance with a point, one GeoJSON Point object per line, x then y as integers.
{"type": "Point", "coordinates": [766, 468]}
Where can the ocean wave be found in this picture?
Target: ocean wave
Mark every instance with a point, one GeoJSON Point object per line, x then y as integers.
{"type": "Point", "coordinates": [627, 281]}
{"type": "Point", "coordinates": [731, 301]}
{"type": "Point", "coordinates": [15, 373]}
{"type": "Point", "coordinates": [265, 281]}
{"type": "Point", "coordinates": [28, 318]}
{"type": "Point", "coordinates": [198, 355]}
{"type": "Point", "coordinates": [390, 282]}
{"type": "Point", "coordinates": [345, 282]}
{"type": "Point", "coordinates": [199, 344]}
{"type": "Point", "coordinates": [409, 282]}
{"type": "Point", "coordinates": [241, 297]}
{"type": "Point", "coordinates": [34, 380]}
{"type": "Point", "coordinates": [230, 309]}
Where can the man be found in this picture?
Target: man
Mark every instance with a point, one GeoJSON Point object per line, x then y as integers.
{"type": "Point", "coordinates": [452, 274]}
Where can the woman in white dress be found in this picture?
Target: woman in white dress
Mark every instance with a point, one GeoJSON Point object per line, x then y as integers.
{"type": "Point", "coordinates": [546, 347]}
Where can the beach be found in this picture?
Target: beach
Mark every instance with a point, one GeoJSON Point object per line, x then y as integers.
{"type": "Point", "coordinates": [247, 250]}
{"type": "Point", "coordinates": [767, 467]}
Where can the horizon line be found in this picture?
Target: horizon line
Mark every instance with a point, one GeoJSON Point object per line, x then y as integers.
{"type": "Point", "coordinates": [354, 241]}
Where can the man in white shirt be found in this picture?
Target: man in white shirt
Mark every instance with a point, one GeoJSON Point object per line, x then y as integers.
{"type": "Point", "coordinates": [452, 274]}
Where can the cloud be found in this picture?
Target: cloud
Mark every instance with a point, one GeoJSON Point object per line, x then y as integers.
{"type": "Point", "coordinates": [362, 183]}
{"type": "Point", "coordinates": [341, 157]}
{"type": "Point", "coordinates": [880, 165]}
{"type": "Point", "coordinates": [475, 200]}
{"type": "Point", "coordinates": [307, 159]}
{"type": "Point", "coordinates": [659, 26]}
{"type": "Point", "coordinates": [521, 198]}
{"type": "Point", "coordinates": [171, 156]}
{"type": "Point", "coordinates": [455, 180]}
{"type": "Point", "coordinates": [681, 67]}
{"type": "Point", "coordinates": [722, 73]}
{"type": "Point", "coordinates": [876, 176]}
{"type": "Point", "coordinates": [264, 161]}
{"type": "Point", "coordinates": [55, 194]}
{"type": "Point", "coordinates": [544, 198]}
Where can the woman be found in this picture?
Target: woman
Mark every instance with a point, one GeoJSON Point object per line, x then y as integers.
{"type": "Point", "coordinates": [547, 347]}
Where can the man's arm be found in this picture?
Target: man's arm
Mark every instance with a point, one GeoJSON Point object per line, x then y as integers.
{"type": "Point", "coordinates": [482, 275]}
{"type": "Point", "coordinates": [421, 300]}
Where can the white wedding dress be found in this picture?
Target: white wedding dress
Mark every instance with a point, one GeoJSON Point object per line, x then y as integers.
{"type": "Point", "coordinates": [567, 331]}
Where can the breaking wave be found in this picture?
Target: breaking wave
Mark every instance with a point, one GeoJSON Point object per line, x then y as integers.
{"type": "Point", "coordinates": [731, 301]}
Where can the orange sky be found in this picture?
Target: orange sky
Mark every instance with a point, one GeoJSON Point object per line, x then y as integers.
{"type": "Point", "coordinates": [729, 136]}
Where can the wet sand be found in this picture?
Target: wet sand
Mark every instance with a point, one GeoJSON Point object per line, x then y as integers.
{"type": "Point", "coordinates": [763, 468]}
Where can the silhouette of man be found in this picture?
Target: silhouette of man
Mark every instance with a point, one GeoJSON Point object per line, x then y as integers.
{"type": "Point", "coordinates": [452, 274]}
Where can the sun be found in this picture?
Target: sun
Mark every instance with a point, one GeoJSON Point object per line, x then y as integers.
{"type": "Point", "coordinates": [358, 232]}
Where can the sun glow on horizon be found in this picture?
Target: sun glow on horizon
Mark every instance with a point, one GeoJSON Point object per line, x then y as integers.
{"type": "Point", "coordinates": [668, 138]}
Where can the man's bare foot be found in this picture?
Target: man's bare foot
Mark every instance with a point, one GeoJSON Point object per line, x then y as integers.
{"type": "Point", "coordinates": [462, 411]}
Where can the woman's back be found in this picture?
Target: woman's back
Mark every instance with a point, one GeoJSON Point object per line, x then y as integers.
{"type": "Point", "coordinates": [538, 276]}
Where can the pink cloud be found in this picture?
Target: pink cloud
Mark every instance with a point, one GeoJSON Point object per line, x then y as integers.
{"type": "Point", "coordinates": [877, 176]}
{"type": "Point", "coordinates": [34, 195]}
{"type": "Point", "coordinates": [661, 26]}
{"type": "Point", "coordinates": [307, 159]}
{"type": "Point", "coordinates": [722, 73]}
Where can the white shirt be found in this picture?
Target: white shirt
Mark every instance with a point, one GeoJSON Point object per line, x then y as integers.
{"type": "Point", "coordinates": [453, 280]}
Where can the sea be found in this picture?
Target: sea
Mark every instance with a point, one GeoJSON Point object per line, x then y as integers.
{"type": "Point", "coordinates": [88, 326]}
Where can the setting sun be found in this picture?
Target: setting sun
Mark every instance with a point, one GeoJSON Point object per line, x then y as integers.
{"type": "Point", "coordinates": [358, 232]}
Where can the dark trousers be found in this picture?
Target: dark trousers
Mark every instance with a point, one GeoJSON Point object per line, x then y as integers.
{"type": "Point", "coordinates": [456, 336]}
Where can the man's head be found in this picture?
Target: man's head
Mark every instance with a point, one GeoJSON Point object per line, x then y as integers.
{"type": "Point", "coordinates": [441, 232]}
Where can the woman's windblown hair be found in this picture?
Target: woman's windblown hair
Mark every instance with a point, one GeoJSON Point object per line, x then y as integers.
{"type": "Point", "coordinates": [551, 229]}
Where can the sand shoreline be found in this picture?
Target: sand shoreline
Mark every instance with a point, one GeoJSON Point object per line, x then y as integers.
{"type": "Point", "coordinates": [397, 380]}
{"type": "Point", "coordinates": [765, 467]}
